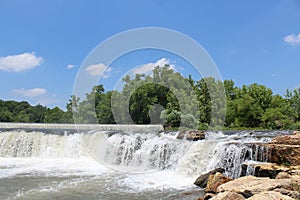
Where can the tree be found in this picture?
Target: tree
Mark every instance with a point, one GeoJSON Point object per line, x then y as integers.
{"type": "Point", "coordinates": [54, 115]}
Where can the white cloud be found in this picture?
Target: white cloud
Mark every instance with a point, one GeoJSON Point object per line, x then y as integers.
{"type": "Point", "coordinates": [98, 69]}
{"type": "Point", "coordinates": [70, 66]}
{"type": "Point", "coordinates": [147, 68]}
{"type": "Point", "coordinates": [20, 62]}
{"type": "Point", "coordinates": [292, 39]}
{"type": "Point", "coordinates": [31, 92]}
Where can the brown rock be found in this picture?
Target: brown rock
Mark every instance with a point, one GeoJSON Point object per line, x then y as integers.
{"type": "Point", "coordinates": [208, 196]}
{"type": "Point", "coordinates": [201, 181]}
{"type": "Point", "coordinates": [265, 169]}
{"type": "Point", "coordinates": [293, 194]}
{"type": "Point", "coordinates": [270, 195]}
{"type": "Point", "coordinates": [287, 140]}
{"type": "Point", "coordinates": [268, 170]}
{"type": "Point", "coordinates": [284, 150]}
{"type": "Point", "coordinates": [228, 196]}
{"type": "Point", "coordinates": [193, 135]}
{"type": "Point", "coordinates": [283, 175]}
{"type": "Point", "coordinates": [215, 180]}
{"type": "Point", "coordinates": [284, 154]}
{"type": "Point", "coordinates": [250, 185]}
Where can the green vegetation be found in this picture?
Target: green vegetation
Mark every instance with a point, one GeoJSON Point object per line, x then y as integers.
{"type": "Point", "coordinates": [169, 98]}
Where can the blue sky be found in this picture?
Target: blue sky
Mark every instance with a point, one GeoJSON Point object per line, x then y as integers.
{"type": "Point", "coordinates": [43, 44]}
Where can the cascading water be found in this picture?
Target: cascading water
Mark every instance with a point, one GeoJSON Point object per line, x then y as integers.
{"type": "Point", "coordinates": [161, 160]}
{"type": "Point", "coordinates": [136, 151]}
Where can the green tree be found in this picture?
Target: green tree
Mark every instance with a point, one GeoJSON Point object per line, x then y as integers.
{"type": "Point", "coordinates": [54, 115]}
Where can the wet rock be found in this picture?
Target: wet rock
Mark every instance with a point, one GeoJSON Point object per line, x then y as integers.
{"type": "Point", "coordinates": [193, 135]}
{"type": "Point", "coordinates": [263, 169]}
{"type": "Point", "coordinates": [202, 180]}
{"type": "Point", "coordinates": [214, 181]}
{"type": "Point", "coordinates": [270, 195]}
{"type": "Point", "coordinates": [228, 196]}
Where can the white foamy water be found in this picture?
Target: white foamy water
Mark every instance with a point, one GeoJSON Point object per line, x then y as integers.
{"type": "Point", "coordinates": [116, 164]}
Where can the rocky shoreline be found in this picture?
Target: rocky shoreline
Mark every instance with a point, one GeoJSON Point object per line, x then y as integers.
{"type": "Point", "coordinates": [279, 178]}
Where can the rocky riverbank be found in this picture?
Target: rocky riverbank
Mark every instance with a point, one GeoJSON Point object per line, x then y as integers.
{"type": "Point", "coordinates": [277, 179]}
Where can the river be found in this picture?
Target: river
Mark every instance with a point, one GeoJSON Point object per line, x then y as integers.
{"type": "Point", "coordinates": [123, 164]}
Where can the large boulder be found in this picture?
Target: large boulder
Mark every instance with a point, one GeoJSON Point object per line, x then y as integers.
{"type": "Point", "coordinates": [284, 154]}
{"type": "Point", "coordinates": [202, 180]}
{"type": "Point", "coordinates": [214, 181]}
{"type": "Point", "coordinates": [193, 135]}
{"type": "Point", "coordinates": [284, 150]}
{"type": "Point", "coordinates": [250, 185]}
{"type": "Point", "coordinates": [270, 195]}
{"type": "Point", "coordinates": [228, 196]}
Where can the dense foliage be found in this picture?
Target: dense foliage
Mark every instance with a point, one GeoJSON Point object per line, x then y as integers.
{"type": "Point", "coordinates": [168, 98]}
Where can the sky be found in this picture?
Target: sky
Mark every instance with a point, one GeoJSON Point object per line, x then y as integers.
{"type": "Point", "coordinates": [44, 43]}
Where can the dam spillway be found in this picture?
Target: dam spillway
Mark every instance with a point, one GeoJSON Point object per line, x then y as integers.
{"type": "Point", "coordinates": [100, 127]}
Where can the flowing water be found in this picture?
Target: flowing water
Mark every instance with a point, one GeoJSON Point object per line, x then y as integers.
{"type": "Point", "coordinates": [100, 164]}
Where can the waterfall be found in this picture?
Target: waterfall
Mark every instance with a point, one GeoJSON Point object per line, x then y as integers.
{"type": "Point", "coordinates": [38, 144]}
{"type": "Point", "coordinates": [233, 155]}
{"type": "Point", "coordinates": [138, 151]}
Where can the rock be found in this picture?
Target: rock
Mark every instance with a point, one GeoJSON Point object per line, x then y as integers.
{"type": "Point", "coordinates": [208, 196]}
{"type": "Point", "coordinates": [295, 171]}
{"type": "Point", "coordinates": [215, 180]}
{"type": "Point", "coordinates": [264, 169]}
{"type": "Point", "coordinates": [201, 181]}
{"type": "Point", "coordinates": [287, 140]}
{"type": "Point", "coordinates": [270, 195]}
{"type": "Point", "coordinates": [228, 196]}
{"type": "Point", "coordinates": [192, 135]}
{"type": "Point", "coordinates": [283, 175]}
{"type": "Point", "coordinates": [250, 185]}
{"type": "Point", "coordinates": [284, 154]}
{"type": "Point", "coordinates": [293, 194]}
{"type": "Point", "coordinates": [296, 132]}
{"type": "Point", "coordinates": [284, 150]}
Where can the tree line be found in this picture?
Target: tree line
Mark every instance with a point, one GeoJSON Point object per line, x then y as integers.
{"type": "Point", "coordinates": [166, 97]}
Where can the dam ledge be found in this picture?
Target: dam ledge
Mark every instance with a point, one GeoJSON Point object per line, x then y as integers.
{"type": "Point", "coordinates": [104, 127]}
